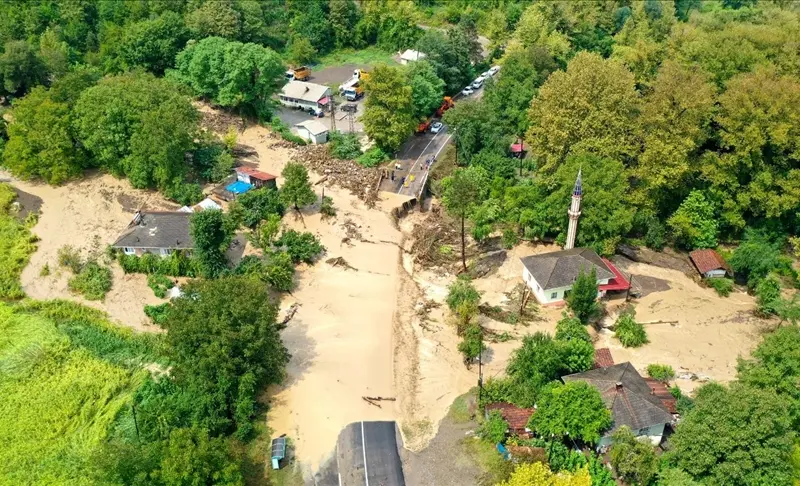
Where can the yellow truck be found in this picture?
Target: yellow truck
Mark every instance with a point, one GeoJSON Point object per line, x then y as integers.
{"type": "Point", "coordinates": [299, 74]}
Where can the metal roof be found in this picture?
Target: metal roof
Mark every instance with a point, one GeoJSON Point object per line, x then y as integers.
{"type": "Point", "coordinates": [561, 268]}
{"type": "Point", "coordinates": [157, 230]}
{"type": "Point", "coordinates": [302, 90]}
{"type": "Point", "coordinates": [313, 126]}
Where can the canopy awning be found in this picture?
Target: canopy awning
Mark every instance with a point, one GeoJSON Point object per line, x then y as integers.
{"type": "Point", "coordinates": [619, 282]}
{"type": "Point", "coordinates": [324, 101]}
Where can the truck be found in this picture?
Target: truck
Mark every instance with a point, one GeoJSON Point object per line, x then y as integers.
{"type": "Point", "coordinates": [424, 125]}
{"type": "Point", "coordinates": [447, 103]}
{"type": "Point", "coordinates": [301, 73]}
{"type": "Point", "coordinates": [356, 80]}
{"type": "Point", "coordinates": [353, 93]}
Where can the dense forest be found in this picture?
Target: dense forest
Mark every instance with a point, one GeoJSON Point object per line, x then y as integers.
{"type": "Point", "coordinates": [683, 117]}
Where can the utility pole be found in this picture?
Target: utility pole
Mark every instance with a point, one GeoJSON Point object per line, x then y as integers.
{"type": "Point", "coordinates": [333, 114]}
{"type": "Point", "coordinates": [480, 367]}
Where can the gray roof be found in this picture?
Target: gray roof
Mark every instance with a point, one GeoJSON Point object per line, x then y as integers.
{"type": "Point", "coordinates": [304, 91]}
{"type": "Point", "coordinates": [313, 126]}
{"type": "Point", "coordinates": [157, 230]}
{"type": "Point", "coordinates": [632, 403]}
{"type": "Point", "coordinates": [561, 268]}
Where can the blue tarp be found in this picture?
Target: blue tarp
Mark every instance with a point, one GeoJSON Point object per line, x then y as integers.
{"type": "Point", "coordinates": [239, 187]}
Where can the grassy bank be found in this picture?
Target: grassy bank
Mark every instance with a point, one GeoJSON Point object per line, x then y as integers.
{"type": "Point", "coordinates": [370, 56]}
{"type": "Point", "coordinates": [16, 245]}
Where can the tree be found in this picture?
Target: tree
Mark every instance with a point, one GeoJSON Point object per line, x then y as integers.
{"type": "Point", "coordinates": [462, 192]}
{"type": "Point", "coordinates": [538, 474]}
{"type": "Point", "coordinates": [211, 237]}
{"type": "Point", "coordinates": [260, 204]}
{"type": "Point", "coordinates": [735, 435]}
{"type": "Point", "coordinates": [279, 271]}
{"type": "Point", "coordinates": [154, 43]}
{"type": "Point", "coordinates": [231, 74]}
{"type": "Point", "coordinates": [302, 247]}
{"type": "Point", "coordinates": [214, 19]}
{"type": "Point", "coordinates": [427, 89]}
{"type": "Point", "coordinates": [20, 68]}
{"type": "Point", "coordinates": [463, 300]}
{"type": "Point", "coordinates": [768, 295]}
{"type": "Point", "coordinates": [694, 223]}
{"type": "Point", "coordinates": [582, 299]}
{"type": "Point", "coordinates": [493, 429]}
{"type": "Point", "coordinates": [537, 27]}
{"type": "Point", "coordinates": [471, 346]}
{"type": "Point", "coordinates": [54, 54]}
{"type": "Point", "coordinates": [265, 233]}
{"type": "Point", "coordinates": [41, 140]}
{"type": "Point", "coordinates": [225, 347]}
{"type": "Point", "coordinates": [590, 107]}
{"type": "Point", "coordinates": [389, 110]}
{"type": "Point", "coordinates": [756, 256]}
{"type": "Point", "coordinates": [344, 16]}
{"type": "Point", "coordinates": [301, 51]}
{"type": "Point", "coordinates": [569, 328]}
{"type": "Point", "coordinates": [192, 458]}
{"type": "Point", "coordinates": [296, 189]}
{"type": "Point", "coordinates": [634, 460]}
{"type": "Point", "coordinates": [476, 129]}
{"type": "Point", "coordinates": [629, 332]}
{"type": "Point", "coordinates": [449, 53]}
{"type": "Point", "coordinates": [311, 23]}
{"type": "Point", "coordinates": [775, 365]}
{"type": "Point", "coordinates": [574, 410]}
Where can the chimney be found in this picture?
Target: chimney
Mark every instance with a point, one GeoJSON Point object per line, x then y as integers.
{"type": "Point", "coordinates": [618, 386]}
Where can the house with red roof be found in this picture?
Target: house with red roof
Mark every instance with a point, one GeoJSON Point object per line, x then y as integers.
{"type": "Point", "coordinates": [516, 417]}
{"type": "Point", "coordinates": [709, 263]}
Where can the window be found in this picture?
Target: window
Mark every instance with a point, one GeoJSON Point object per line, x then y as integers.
{"type": "Point", "coordinates": [165, 252]}
{"type": "Point", "coordinates": [129, 251]}
{"type": "Point", "coordinates": [554, 295]}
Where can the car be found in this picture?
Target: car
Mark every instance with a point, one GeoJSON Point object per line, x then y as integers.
{"type": "Point", "coordinates": [485, 75]}
{"type": "Point", "coordinates": [467, 91]}
{"type": "Point", "coordinates": [477, 83]}
{"type": "Point", "coordinates": [493, 70]}
{"type": "Point", "coordinates": [437, 127]}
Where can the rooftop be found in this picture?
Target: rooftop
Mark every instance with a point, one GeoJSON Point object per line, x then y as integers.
{"type": "Point", "coordinates": [516, 417]}
{"type": "Point", "coordinates": [603, 358]}
{"type": "Point", "coordinates": [313, 126]}
{"type": "Point", "coordinates": [707, 260]}
{"type": "Point", "coordinates": [256, 174]}
{"type": "Point", "coordinates": [561, 268]}
{"type": "Point", "coordinates": [412, 55]}
{"type": "Point", "coordinates": [304, 91]}
{"type": "Point", "coordinates": [631, 400]}
{"type": "Point", "coordinates": [157, 230]}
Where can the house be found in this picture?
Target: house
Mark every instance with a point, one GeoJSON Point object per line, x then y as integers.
{"type": "Point", "coordinates": [160, 233]}
{"type": "Point", "coordinates": [410, 55]}
{"type": "Point", "coordinates": [516, 417]}
{"type": "Point", "coordinates": [256, 178]}
{"type": "Point", "coordinates": [308, 96]}
{"type": "Point", "coordinates": [550, 275]}
{"type": "Point", "coordinates": [312, 131]}
{"type": "Point", "coordinates": [709, 263]}
{"type": "Point", "coordinates": [630, 399]}
{"type": "Point", "coordinates": [603, 359]}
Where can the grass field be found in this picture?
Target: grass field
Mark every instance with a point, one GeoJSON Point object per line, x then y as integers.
{"type": "Point", "coordinates": [65, 374]}
{"type": "Point", "coordinates": [370, 56]}
{"type": "Point", "coordinates": [16, 245]}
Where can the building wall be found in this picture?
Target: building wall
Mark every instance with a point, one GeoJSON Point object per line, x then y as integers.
{"type": "Point", "coordinates": [162, 252]}
{"type": "Point", "coordinates": [715, 274]}
{"type": "Point", "coordinates": [653, 434]}
{"type": "Point", "coordinates": [546, 296]}
{"type": "Point", "coordinates": [296, 103]}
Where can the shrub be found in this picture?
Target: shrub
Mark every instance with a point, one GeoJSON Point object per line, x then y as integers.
{"type": "Point", "coordinates": [660, 372]}
{"type": "Point", "coordinates": [629, 332]}
{"type": "Point", "coordinates": [160, 284]}
{"type": "Point", "coordinates": [344, 146]}
{"type": "Point", "coordinates": [493, 429]}
{"type": "Point", "coordinates": [327, 208]}
{"type": "Point", "coordinates": [471, 344]}
{"type": "Point", "coordinates": [184, 193]}
{"type": "Point", "coordinates": [176, 265]}
{"type": "Point", "coordinates": [723, 286]}
{"type": "Point", "coordinates": [258, 205]}
{"type": "Point", "coordinates": [302, 247]}
{"type": "Point", "coordinates": [283, 130]}
{"type": "Point", "coordinates": [93, 281]}
{"type": "Point", "coordinates": [278, 271]}
{"type": "Point", "coordinates": [70, 257]}
{"type": "Point", "coordinates": [655, 236]}
{"type": "Point", "coordinates": [462, 291]}
{"type": "Point", "coordinates": [45, 271]}
{"type": "Point", "coordinates": [768, 295]}
{"type": "Point", "coordinates": [158, 313]}
{"type": "Point", "coordinates": [683, 403]}
{"type": "Point", "coordinates": [510, 239]}
{"type": "Point", "coordinates": [372, 157]}
{"type": "Point", "coordinates": [569, 328]}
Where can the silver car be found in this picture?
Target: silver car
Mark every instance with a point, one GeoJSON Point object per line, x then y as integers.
{"type": "Point", "coordinates": [467, 91]}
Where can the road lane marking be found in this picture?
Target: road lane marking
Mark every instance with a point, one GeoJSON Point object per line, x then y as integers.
{"type": "Point", "coordinates": [364, 451]}
{"type": "Point", "coordinates": [411, 169]}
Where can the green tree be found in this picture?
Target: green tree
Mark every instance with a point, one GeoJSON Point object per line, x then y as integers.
{"type": "Point", "coordinates": [756, 256]}
{"type": "Point", "coordinates": [260, 204]}
{"type": "Point", "coordinates": [768, 295]}
{"type": "Point", "coordinates": [302, 247]}
{"type": "Point", "coordinates": [634, 460]}
{"type": "Point", "coordinates": [574, 410]}
{"type": "Point", "coordinates": [344, 16]}
{"type": "Point", "coordinates": [279, 271]}
{"type": "Point", "coordinates": [629, 332]}
{"type": "Point", "coordinates": [462, 192]}
{"type": "Point", "coordinates": [475, 129]}
{"type": "Point", "coordinates": [154, 43]}
{"type": "Point", "coordinates": [569, 328]}
{"type": "Point", "coordinates": [218, 19]}
{"type": "Point", "coordinates": [41, 140]}
{"type": "Point", "coordinates": [192, 458]}
{"type": "Point", "coordinates": [471, 345]}
{"type": "Point", "coordinates": [735, 435]}
{"type": "Point", "coordinates": [20, 68]}
{"type": "Point", "coordinates": [265, 233]}
{"type": "Point", "coordinates": [211, 236]}
{"type": "Point", "coordinates": [225, 347]}
{"type": "Point", "coordinates": [296, 190]}
{"type": "Point", "coordinates": [310, 23]}
{"type": "Point", "coordinates": [389, 110]}
{"type": "Point", "coordinates": [449, 53]}
{"type": "Point", "coordinates": [582, 299]}
{"type": "Point", "coordinates": [54, 54]}
{"type": "Point", "coordinates": [427, 89]}
{"type": "Point", "coordinates": [538, 474]}
{"type": "Point", "coordinates": [694, 224]}
{"type": "Point", "coordinates": [590, 107]}
{"type": "Point", "coordinates": [301, 51]}
{"type": "Point", "coordinates": [493, 429]}
{"type": "Point", "coordinates": [463, 299]}
{"type": "Point", "coordinates": [231, 74]}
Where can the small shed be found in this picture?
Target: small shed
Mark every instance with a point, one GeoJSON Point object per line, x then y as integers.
{"type": "Point", "coordinates": [709, 263]}
{"type": "Point", "coordinates": [256, 178]}
{"type": "Point", "coordinates": [410, 55]}
{"type": "Point", "coordinates": [313, 131]}
{"type": "Point", "coordinates": [516, 417]}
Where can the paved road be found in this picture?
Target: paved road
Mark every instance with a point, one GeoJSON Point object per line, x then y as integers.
{"type": "Point", "coordinates": [366, 454]}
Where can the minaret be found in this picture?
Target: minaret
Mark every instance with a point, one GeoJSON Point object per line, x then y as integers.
{"type": "Point", "coordinates": [574, 212]}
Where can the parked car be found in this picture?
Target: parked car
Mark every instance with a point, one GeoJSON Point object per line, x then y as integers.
{"type": "Point", "coordinates": [317, 112]}
{"type": "Point", "coordinates": [493, 70]}
{"type": "Point", "coordinates": [477, 83]}
{"type": "Point", "coordinates": [467, 91]}
{"type": "Point", "coordinates": [437, 127]}
{"type": "Point", "coordinates": [485, 75]}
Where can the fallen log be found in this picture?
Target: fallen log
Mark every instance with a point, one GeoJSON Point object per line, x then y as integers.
{"type": "Point", "coordinates": [378, 399]}
{"type": "Point", "coordinates": [371, 402]}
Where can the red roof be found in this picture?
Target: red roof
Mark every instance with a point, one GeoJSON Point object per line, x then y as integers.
{"type": "Point", "coordinates": [603, 358]}
{"type": "Point", "coordinates": [516, 417]}
{"type": "Point", "coordinates": [708, 260]}
{"type": "Point", "coordinates": [659, 389]}
{"type": "Point", "coordinates": [256, 174]}
{"type": "Point", "coordinates": [516, 148]}
{"type": "Point", "coordinates": [619, 282]}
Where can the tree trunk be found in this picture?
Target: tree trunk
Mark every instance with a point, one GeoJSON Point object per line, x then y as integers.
{"type": "Point", "coordinates": [463, 245]}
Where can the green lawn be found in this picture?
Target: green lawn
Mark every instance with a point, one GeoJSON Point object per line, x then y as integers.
{"type": "Point", "coordinates": [370, 56]}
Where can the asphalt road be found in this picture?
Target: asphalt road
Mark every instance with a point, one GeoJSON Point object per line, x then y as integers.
{"type": "Point", "coordinates": [366, 455]}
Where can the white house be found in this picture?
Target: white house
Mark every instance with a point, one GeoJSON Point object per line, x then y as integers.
{"type": "Point", "coordinates": [550, 275]}
{"type": "Point", "coordinates": [410, 55]}
{"type": "Point", "coordinates": [299, 94]}
{"type": "Point", "coordinates": [312, 131]}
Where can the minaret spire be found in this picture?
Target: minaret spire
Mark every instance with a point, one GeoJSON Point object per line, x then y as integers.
{"type": "Point", "coordinates": [574, 212]}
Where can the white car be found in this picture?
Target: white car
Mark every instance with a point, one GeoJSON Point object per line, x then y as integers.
{"type": "Point", "coordinates": [477, 83]}
{"type": "Point", "coordinates": [437, 127]}
{"type": "Point", "coordinates": [493, 70]}
{"type": "Point", "coordinates": [467, 91]}
{"type": "Point", "coordinates": [485, 75]}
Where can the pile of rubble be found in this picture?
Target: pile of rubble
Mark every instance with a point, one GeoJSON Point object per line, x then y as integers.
{"type": "Point", "coordinates": [436, 240]}
{"type": "Point", "coordinates": [359, 180]}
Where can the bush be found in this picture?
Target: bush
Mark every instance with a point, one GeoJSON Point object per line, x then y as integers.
{"type": "Point", "coordinates": [93, 281]}
{"type": "Point", "coordinates": [326, 208]}
{"type": "Point", "coordinates": [70, 257]}
{"type": "Point", "coordinates": [493, 429]}
{"type": "Point", "coordinates": [344, 146]}
{"type": "Point", "coordinates": [158, 313]}
{"type": "Point", "coordinates": [372, 157]}
{"type": "Point", "coordinates": [683, 403]}
{"type": "Point", "coordinates": [768, 295]}
{"type": "Point", "coordinates": [278, 271]}
{"type": "Point", "coordinates": [283, 130]}
{"type": "Point", "coordinates": [175, 265]}
{"type": "Point", "coordinates": [184, 193]}
{"type": "Point", "coordinates": [510, 239]}
{"type": "Point", "coordinates": [258, 205]}
{"type": "Point", "coordinates": [660, 372]}
{"type": "Point", "coordinates": [569, 328]}
{"type": "Point", "coordinates": [159, 284]}
{"type": "Point", "coordinates": [723, 286]}
{"type": "Point", "coordinates": [629, 332]}
{"type": "Point", "coordinates": [302, 247]}
{"type": "Point", "coordinates": [471, 344]}
{"type": "Point", "coordinates": [655, 237]}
